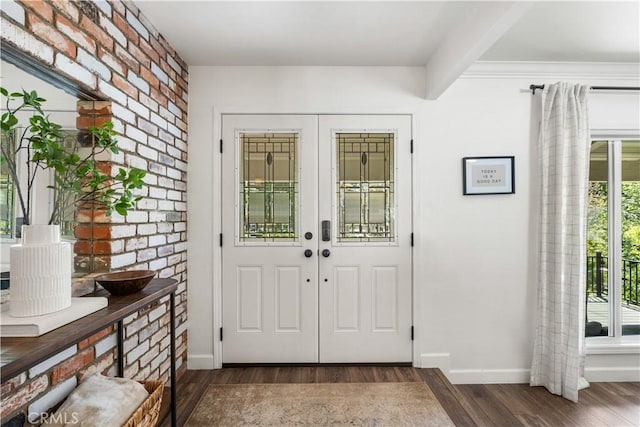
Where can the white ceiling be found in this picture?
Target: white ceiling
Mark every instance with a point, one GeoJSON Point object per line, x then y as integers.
{"type": "Point", "coordinates": [304, 33]}
{"type": "Point", "coordinates": [389, 33]}
{"type": "Point", "coordinates": [445, 37]}
{"type": "Point", "coordinates": [579, 31]}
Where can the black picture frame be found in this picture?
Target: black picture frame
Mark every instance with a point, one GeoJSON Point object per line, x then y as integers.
{"type": "Point", "coordinates": [488, 175]}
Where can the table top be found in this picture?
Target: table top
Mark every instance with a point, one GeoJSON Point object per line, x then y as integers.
{"type": "Point", "coordinates": [20, 354]}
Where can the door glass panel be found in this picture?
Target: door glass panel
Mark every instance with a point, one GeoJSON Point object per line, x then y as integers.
{"type": "Point", "coordinates": [630, 238]}
{"type": "Point", "coordinates": [268, 186]}
{"type": "Point", "coordinates": [598, 241]}
{"type": "Point", "coordinates": [365, 187]}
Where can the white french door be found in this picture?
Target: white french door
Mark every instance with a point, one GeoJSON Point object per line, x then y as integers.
{"type": "Point", "coordinates": [365, 281]}
{"type": "Point", "coordinates": [269, 196]}
{"type": "Point", "coordinates": [316, 219]}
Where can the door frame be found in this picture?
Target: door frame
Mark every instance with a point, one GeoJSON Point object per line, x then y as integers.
{"type": "Point", "coordinates": [216, 190]}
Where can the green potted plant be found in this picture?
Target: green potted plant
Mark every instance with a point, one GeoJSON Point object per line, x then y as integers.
{"type": "Point", "coordinates": [42, 260]}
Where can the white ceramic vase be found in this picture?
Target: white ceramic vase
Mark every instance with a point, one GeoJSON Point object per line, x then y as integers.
{"type": "Point", "coordinates": [40, 272]}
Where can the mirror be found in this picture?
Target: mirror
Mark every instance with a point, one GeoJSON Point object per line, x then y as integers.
{"type": "Point", "coordinates": [62, 109]}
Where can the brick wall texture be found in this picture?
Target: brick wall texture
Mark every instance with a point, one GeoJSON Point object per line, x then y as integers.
{"type": "Point", "coordinates": [110, 49]}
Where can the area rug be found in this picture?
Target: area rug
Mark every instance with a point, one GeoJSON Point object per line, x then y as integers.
{"type": "Point", "coordinates": [319, 404]}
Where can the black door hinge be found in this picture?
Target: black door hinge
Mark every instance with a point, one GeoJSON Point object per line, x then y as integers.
{"type": "Point", "coordinates": [221, 334]}
{"type": "Point", "coordinates": [412, 240]}
{"type": "Point", "coordinates": [221, 146]}
{"type": "Point", "coordinates": [411, 332]}
{"type": "Point", "coordinates": [412, 146]}
{"type": "Point", "coordinates": [220, 239]}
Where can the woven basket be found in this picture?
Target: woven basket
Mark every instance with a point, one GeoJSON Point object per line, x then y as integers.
{"type": "Point", "coordinates": [148, 412]}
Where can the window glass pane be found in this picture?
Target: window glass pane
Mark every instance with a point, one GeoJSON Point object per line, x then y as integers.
{"type": "Point", "coordinates": [72, 143]}
{"type": "Point", "coordinates": [597, 241]}
{"type": "Point", "coordinates": [268, 187]}
{"type": "Point", "coordinates": [7, 189]}
{"type": "Point", "coordinates": [365, 187]}
{"type": "Point", "coordinates": [630, 277]}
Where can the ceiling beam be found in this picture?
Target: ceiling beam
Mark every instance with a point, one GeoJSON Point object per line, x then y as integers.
{"type": "Point", "coordinates": [477, 32]}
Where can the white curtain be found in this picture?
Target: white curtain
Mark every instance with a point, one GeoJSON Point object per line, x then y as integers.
{"type": "Point", "coordinates": [563, 152]}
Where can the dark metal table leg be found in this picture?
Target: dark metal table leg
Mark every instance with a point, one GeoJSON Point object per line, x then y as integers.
{"type": "Point", "coordinates": [120, 338]}
{"type": "Point", "coordinates": [172, 326]}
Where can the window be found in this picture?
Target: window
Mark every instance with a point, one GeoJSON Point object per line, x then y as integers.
{"type": "Point", "coordinates": [7, 195]}
{"type": "Point", "coordinates": [613, 241]}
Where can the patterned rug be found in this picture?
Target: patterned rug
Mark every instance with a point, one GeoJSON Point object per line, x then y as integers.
{"type": "Point", "coordinates": [334, 404]}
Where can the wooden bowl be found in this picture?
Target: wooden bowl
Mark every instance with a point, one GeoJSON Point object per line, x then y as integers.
{"type": "Point", "coordinates": [125, 282]}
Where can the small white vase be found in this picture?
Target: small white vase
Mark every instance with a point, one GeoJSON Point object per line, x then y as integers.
{"type": "Point", "coordinates": [40, 272]}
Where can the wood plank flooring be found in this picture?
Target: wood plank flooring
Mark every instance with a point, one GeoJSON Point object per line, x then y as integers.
{"type": "Point", "coordinates": [495, 405]}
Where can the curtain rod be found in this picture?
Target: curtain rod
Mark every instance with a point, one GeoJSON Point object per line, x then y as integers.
{"type": "Point", "coordinates": [533, 88]}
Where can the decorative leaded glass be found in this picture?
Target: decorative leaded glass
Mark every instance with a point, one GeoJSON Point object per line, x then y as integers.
{"type": "Point", "coordinates": [268, 186]}
{"type": "Point", "coordinates": [365, 187]}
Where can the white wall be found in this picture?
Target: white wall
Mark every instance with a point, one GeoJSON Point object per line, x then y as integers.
{"type": "Point", "coordinates": [475, 285]}
{"type": "Point", "coordinates": [473, 254]}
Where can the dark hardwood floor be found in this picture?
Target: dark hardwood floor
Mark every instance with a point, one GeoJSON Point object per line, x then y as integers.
{"type": "Point", "coordinates": [603, 404]}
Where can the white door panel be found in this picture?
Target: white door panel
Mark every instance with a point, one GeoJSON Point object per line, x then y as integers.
{"type": "Point", "coordinates": [346, 298]}
{"type": "Point", "coordinates": [249, 299]}
{"type": "Point", "coordinates": [288, 299]}
{"type": "Point", "coordinates": [385, 298]}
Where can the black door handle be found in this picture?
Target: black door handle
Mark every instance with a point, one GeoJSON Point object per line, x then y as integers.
{"type": "Point", "coordinates": [308, 253]}
{"type": "Point", "coordinates": [326, 231]}
{"type": "Point", "coordinates": [326, 253]}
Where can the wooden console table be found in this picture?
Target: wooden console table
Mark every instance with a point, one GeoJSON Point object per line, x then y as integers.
{"type": "Point", "coordinates": [20, 354]}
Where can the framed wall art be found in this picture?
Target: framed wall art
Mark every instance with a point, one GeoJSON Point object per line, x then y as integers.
{"type": "Point", "coordinates": [488, 175]}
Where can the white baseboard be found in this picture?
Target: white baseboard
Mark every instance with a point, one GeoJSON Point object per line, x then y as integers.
{"type": "Point", "coordinates": [628, 372]}
{"type": "Point", "coordinates": [199, 361]}
{"type": "Point", "coordinates": [442, 361]}
{"type": "Point", "coordinates": [435, 360]}
{"type": "Point", "coordinates": [597, 375]}
{"type": "Point", "coordinates": [489, 376]}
